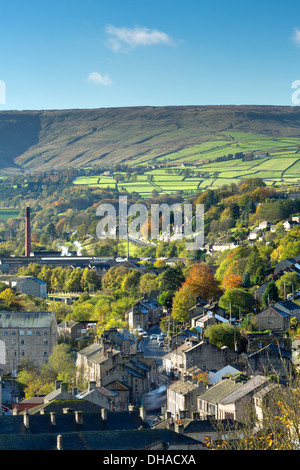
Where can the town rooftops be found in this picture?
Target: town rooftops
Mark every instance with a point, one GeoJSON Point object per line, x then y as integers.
{"type": "Point", "coordinates": [289, 305]}
{"type": "Point", "coordinates": [245, 389]}
{"type": "Point", "coordinates": [183, 387]}
{"type": "Point", "coordinates": [220, 390]}
{"type": "Point", "coordinates": [101, 440]}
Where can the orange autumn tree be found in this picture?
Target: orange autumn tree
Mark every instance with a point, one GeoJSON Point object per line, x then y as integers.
{"type": "Point", "coordinates": [232, 281]}
{"type": "Point", "coordinates": [202, 281]}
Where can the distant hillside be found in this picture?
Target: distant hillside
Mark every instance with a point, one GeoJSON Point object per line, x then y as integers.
{"type": "Point", "coordinates": [43, 140]}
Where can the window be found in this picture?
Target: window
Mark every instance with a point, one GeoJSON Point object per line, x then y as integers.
{"type": "Point", "coordinates": [38, 333]}
{"type": "Point", "coordinates": [13, 332]}
{"type": "Point", "coordinates": [45, 353]}
{"type": "Point", "coordinates": [22, 341]}
{"type": "Point", "coordinates": [45, 332]}
{"type": "Point", "coordinates": [5, 332]}
{"type": "Point", "coordinates": [29, 332]}
{"type": "Point", "coordinates": [21, 332]}
{"type": "Point", "coordinates": [45, 341]}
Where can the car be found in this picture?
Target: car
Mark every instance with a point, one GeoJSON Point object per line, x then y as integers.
{"type": "Point", "coordinates": [153, 336]}
{"type": "Point", "coordinates": [160, 344]}
{"type": "Point", "coordinates": [160, 338]}
{"type": "Point", "coordinates": [144, 334]}
{"type": "Point", "coordinates": [5, 409]}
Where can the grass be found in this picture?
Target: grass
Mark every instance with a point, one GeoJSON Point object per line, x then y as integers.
{"type": "Point", "coordinates": [6, 214]}
{"type": "Point", "coordinates": [275, 160]}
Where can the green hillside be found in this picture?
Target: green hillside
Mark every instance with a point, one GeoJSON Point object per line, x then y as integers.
{"type": "Point", "coordinates": [43, 140]}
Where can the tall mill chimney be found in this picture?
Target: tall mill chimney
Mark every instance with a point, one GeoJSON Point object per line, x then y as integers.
{"type": "Point", "coordinates": [27, 233]}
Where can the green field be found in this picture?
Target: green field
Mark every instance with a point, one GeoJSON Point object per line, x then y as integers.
{"type": "Point", "coordinates": [6, 214]}
{"type": "Point", "coordinates": [275, 160]}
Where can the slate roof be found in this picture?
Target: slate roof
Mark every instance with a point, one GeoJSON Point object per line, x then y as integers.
{"type": "Point", "coordinates": [289, 305]}
{"type": "Point", "coordinates": [280, 351]}
{"type": "Point", "coordinates": [245, 389]}
{"type": "Point", "coordinates": [102, 440]}
{"type": "Point", "coordinates": [26, 319]}
{"type": "Point", "coordinates": [184, 387]}
{"type": "Point", "coordinates": [199, 425]}
{"type": "Point", "coordinates": [57, 406]}
{"type": "Point", "coordinates": [281, 312]}
{"type": "Point", "coordinates": [65, 422]}
{"type": "Point", "coordinates": [220, 390]}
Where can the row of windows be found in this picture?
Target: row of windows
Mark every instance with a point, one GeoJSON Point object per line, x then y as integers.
{"type": "Point", "coordinates": [22, 332]}
{"type": "Point", "coordinates": [22, 341]}
{"type": "Point", "coordinates": [23, 354]}
{"type": "Point", "coordinates": [27, 315]}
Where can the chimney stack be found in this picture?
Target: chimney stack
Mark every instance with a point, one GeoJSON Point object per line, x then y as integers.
{"type": "Point", "coordinates": [27, 233]}
{"type": "Point", "coordinates": [26, 419]}
{"type": "Point", "coordinates": [59, 442]}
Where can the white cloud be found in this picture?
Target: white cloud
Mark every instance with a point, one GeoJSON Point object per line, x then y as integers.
{"type": "Point", "coordinates": [135, 37]}
{"type": "Point", "coordinates": [99, 79]}
{"type": "Point", "coordinates": [296, 36]}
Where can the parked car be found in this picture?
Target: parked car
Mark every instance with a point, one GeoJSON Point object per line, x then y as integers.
{"type": "Point", "coordinates": [153, 336]}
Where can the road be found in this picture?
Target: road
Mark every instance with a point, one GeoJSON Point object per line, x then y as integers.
{"type": "Point", "coordinates": [151, 348]}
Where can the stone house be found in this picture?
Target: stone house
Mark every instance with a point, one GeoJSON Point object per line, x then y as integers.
{"type": "Point", "coordinates": [234, 405]}
{"type": "Point", "coordinates": [100, 396]}
{"type": "Point", "coordinates": [182, 397]}
{"type": "Point", "coordinates": [101, 363]}
{"type": "Point", "coordinates": [26, 285]}
{"type": "Point", "coordinates": [270, 359]}
{"type": "Point", "coordinates": [208, 400]}
{"type": "Point", "coordinates": [121, 339]}
{"type": "Point", "coordinates": [26, 335]}
{"type": "Point", "coordinates": [204, 355]}
{"type": "Point", "coordinates": [273, 318]}
{"type": "Point", "coordinates": [289, 307]}
{"type": "Point", "coordinates": [144, 313]}
{"type": "Point", "coordinates": [70, 329]}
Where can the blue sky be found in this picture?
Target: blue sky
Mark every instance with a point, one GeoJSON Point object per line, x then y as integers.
{"type": "Point", "coordinates": [94, 53]}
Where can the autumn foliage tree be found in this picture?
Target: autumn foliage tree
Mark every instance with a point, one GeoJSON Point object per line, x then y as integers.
{"type": "Point", "coordinates": [183, 300]}
{"type": "Point", "coordinates": [232, 281]}
{"type": "Point", "coordinates": [202, 281]}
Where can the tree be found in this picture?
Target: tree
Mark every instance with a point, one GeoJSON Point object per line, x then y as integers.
{"type": "Point", "coordinates": [223, 335]}
{"type": "Point", "coordinates": [254, 261]}
{"type": "Point", "coordinates": [90, 280]}
{"type": "Point", "coordinates": [62, 363]}
{"type": "Point", "coordinates": [238, 301]}
{"type": "Point", "coordinates": [246, 281]}
{"type": "Point", "coordinates": [183, 300]}
{"type": "Point", "coordinates": [171, 279]}
{"type": "Point", "coordinates": [202, 281]}
{"type": "Point", "coordinates": [148, 283]}
{"type": "Point", "coordinates": [8, 296]}
{"type": "Point", "coordinates": [232, 280]}
{"type": "Point", "coordinates": [270, 294]}
{"type": "Point", "coordinates": [73, 284]}
{"type": "Point", "coordinates": [286, 284]}
{"type": "Point", "coordinates": [166, 298]}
